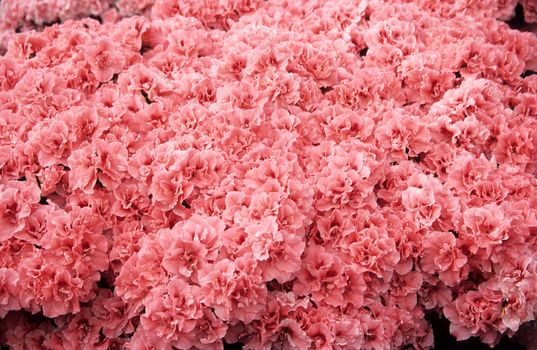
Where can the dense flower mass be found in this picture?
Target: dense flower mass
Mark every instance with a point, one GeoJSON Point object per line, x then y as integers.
{"type": "Point", "coordinates": [281, 174]}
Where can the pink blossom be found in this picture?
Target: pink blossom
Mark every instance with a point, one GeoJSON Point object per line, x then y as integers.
{"type": "Point", "coordinates": [472, 313]}
{"type": "Point", "coordinates": [210, 331]}
{"type": "Point", "coordinates": [9, 285]}
{"type": "Point", "coordinates": [231, 290]}
{"type": "Point", "coordinates": [333, 226]}
{"type": "Point", "coordinates": [171, 314]}
{"type": "Point", "coordinates": [467, 170]}
{"type": "Point", "coordinates": [103, 161]}
{"type": "Point", "coordinates": [320, 335]}
{"type": "Point", "coordinates": [81, 329]}
{"type": "Point", "coordinates": [486, 226]}
{"type": "Point", "coordinates": [113, 314]}
{"type": "Point", "coordinates": [373, 250]}
{"type": "Point", "coordinates": [127, 235]}
{"type": "Point", "coordinates": [400, 135]}
{"type": "Point", "coordinates": [56, 291]}
{"type": "Point", "coordinates": [422, 202]}
{"type": "Point", "coordinates": [140, 273]}
{"type": "Point", "coordinates": [516, 146]}
{"type": "Point", "coordinates": [36, 225]}
{"type": "Point", "coordinates": [85, 124]}
{"type": "Point", "coordinates": [51, 178]}
{"type": "Point", "coordinates": [328, 279]}
{"type": "Point", "coordinates": [16, 202]}
{"type": "Point", "coordinates": [490, 192]}
{"type": "Point", "coordinates": [105, 59]}
{"type": "Point", "coordinates": [190, 244]}
{"type": "Point", "coordinates": [292, 335]}
{"type": "Point", "coordinates": [170, 187]}
{"type": "Point", "coordinates": [374, 332]}
{"type": "Point", "coordinates": [278, 252]}
{"type": "Point", "coordinates": [442, 256]}
{"type": "Point", "coordinates": [129, 199]}
{"type": "Point", "coordinates": [53, 142]}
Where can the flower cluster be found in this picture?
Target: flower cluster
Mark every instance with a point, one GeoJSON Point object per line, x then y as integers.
{"type": "Point", "coordinates": [23, 15]}
{"type": "Point", "coordinates": [289, 175]}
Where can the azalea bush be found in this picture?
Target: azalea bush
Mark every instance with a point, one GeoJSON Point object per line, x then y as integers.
{"type": "Point", "coordinates": [279, 174]}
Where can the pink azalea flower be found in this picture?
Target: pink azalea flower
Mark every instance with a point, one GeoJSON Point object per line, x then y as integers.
{"type": "Point", "coordinates": [442, 256]}
{"type": "Point", "coordinates": [422, 202]}
{"type": "Point", "coordinates": [9, 286]}
{"type": "Point", "coordinates": [16, 202]}
{"type": "Point", "coordinates": [105, 59]}
{"type": "Point", "coordinates": [103, 161]}
{"type": "Point", "coordinates": [486, 225]}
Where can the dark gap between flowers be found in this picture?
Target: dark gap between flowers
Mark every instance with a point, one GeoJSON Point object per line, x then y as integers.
{"type": "Point", "coordinates": [235, 346]}
{"type": "Point", "coordinates": [519, 23]}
